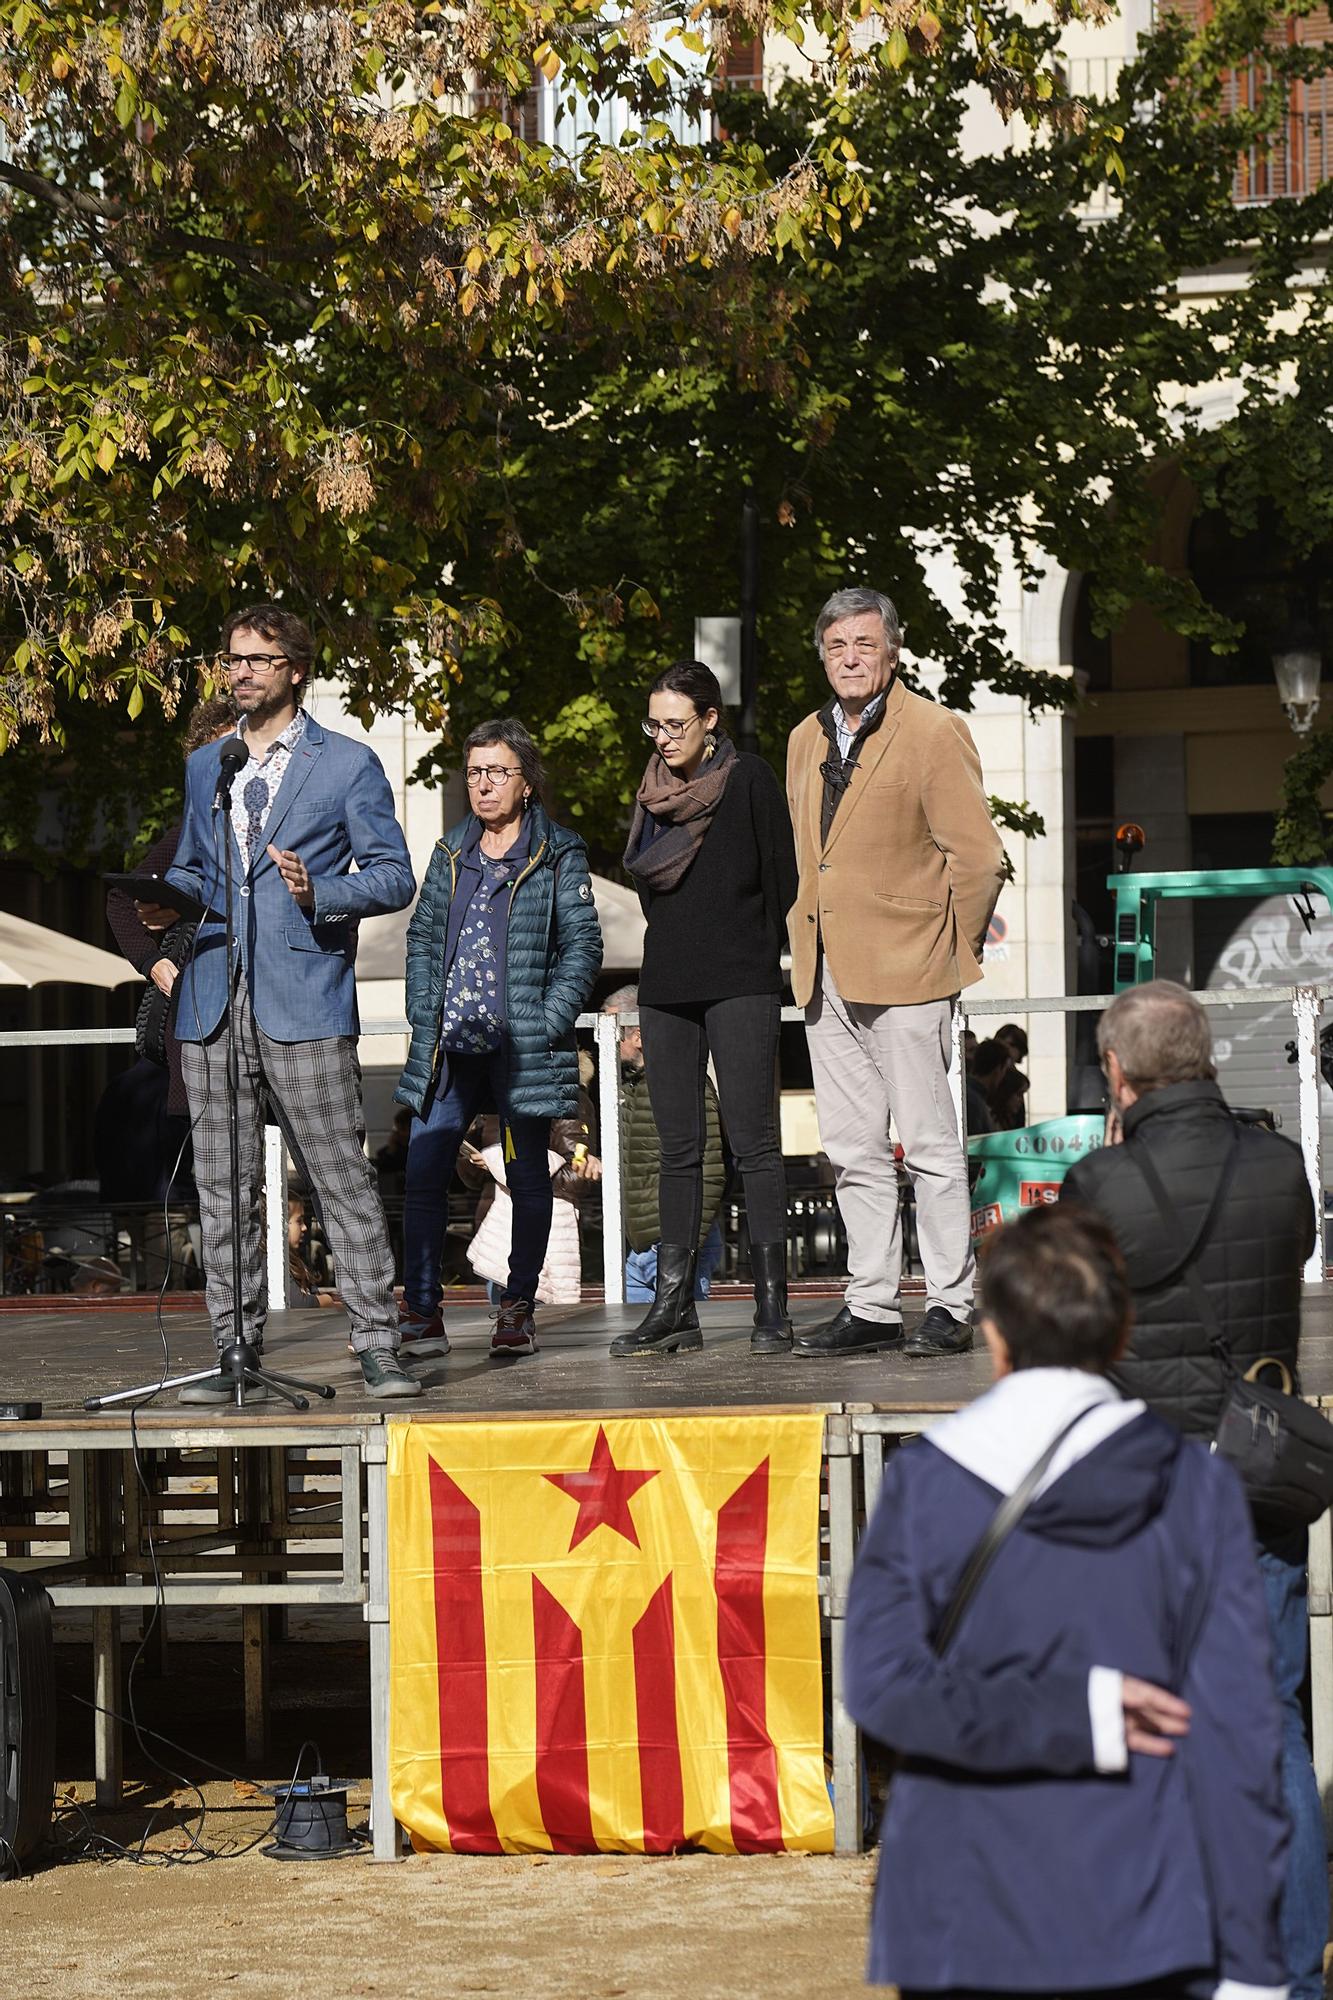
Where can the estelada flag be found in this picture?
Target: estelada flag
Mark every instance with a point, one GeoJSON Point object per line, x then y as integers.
{"type": "Point", "coordinates": [605, 1635]}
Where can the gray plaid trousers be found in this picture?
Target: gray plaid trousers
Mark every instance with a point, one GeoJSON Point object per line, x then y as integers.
{"type": "Point", "coordinates": [315, 1088]}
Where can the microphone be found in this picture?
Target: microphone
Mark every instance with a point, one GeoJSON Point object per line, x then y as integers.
{"type": "Point", "coordinates": [234, 758]}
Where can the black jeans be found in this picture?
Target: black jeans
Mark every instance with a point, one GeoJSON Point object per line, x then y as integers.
{"type": "Point", "coordinates": [742, 1037]}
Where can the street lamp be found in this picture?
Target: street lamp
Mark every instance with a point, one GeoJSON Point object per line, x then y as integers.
{"type": "Point", "coordinates": [1297, 669]}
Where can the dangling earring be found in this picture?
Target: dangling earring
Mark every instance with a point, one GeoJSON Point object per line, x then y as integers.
{"type": "Point", "coordinates": [710, 745]}
{"type": "Point", "coordinates": [527, 800]}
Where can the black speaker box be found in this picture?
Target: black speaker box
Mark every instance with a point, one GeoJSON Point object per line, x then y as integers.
{"type": "Point", "coordinates": [27, 1720]}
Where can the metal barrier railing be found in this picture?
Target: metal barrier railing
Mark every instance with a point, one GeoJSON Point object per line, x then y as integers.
{"type": "Point", "coordinates": [1306, 1004]}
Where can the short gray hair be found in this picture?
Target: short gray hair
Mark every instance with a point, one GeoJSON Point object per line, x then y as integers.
{"type": "Point", "coordinates": [625, 1000]}
{"type": "Point", "coordinates": [852, 604]}
{"type": "Point", "coordinates": [1160, 1035]}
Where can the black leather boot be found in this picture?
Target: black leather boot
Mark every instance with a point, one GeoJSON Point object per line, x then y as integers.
{"type": "Point", "coordinates": [772, 1323]}
{"type": "Point", "coordinates": [671, 1320]}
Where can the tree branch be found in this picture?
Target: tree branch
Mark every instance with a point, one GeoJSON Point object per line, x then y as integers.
{"type": "Point", "coordinates": [65, 201]}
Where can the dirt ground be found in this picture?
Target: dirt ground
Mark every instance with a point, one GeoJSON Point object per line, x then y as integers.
{"type": "Point", "coordinates": [692, 1927]}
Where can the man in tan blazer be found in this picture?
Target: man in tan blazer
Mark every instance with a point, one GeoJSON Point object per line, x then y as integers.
{"type": "Point", "coordinates": [900, 868]}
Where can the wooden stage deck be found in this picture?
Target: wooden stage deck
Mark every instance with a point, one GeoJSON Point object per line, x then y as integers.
{"type": "Point", "coordinates": [59, 1356]}
{"type": "Point", "coordinates": [267, 1508]}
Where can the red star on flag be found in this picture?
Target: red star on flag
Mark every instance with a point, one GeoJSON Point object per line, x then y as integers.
{"type": "Point", "coordinates": [603, 1493]}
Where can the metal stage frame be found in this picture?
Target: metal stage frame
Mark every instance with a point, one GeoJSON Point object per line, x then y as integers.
{"type": "Point", "coordinates": [1306, 1001]}
{"type": "Point", "coordinates": [268, 1509]}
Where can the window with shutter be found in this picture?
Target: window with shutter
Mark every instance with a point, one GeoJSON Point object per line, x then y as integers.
{"type": "Point", "coordinates": [742, 67]}
{"type": "Point", "coordinates": [521, 114]}
{"type": "Point", "coordinates": [1297, 157]}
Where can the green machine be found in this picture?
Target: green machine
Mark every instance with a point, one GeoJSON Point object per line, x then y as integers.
{"type": "Point", "coordinates": [1015, 1170]}
{"type": "Point", "coordinates": [1137, 897]}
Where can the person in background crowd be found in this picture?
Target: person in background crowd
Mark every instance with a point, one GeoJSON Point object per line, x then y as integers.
{"type": "Point", "coordinates": [1003, 1085]}
{"type": "Point", "coordinates": [1095, 1746]}
{"type": "Point", "coordinates": [710, 852]}
{"type": "Point", "coordinates": [390, 1163]}
{"type": "Point", "coordinates": [976, 1105]}
{"type": "Point", "coordinates": [1014, 1040]}
{"type": "Point", "coordinates": [900, 869]}
{"type": "Point", "coordinates": [142, 929]}
{"type": "Point", "coordinates": [307, 1249]}
{"type": "Point", "coordinates": [640, 1167]}
{"type": "Point", "coordinates": [1241, 1197]}
{"type": "Point", "coordinates": [294, 981]}
{"type": "Point", "coordinates": [391, 1158]}
{"type": "Point", "coordinates": [502, 952]}
{"type": "Point", "coordinates": [481, 1165]}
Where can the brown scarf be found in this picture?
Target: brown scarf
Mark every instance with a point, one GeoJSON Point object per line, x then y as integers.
{"type": "Point", "coordinates": [684, 807]}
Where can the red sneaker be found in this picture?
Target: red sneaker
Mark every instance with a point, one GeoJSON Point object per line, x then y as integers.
{"type": "Point", "coordinates": [418, 1336]}
{"type": "Point", "coordinates": [515, 1328]}
{"type": "Point", "coordinates": [421, 1336]}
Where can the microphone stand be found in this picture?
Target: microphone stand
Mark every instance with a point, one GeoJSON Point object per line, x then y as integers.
{"type": "Point", "coordinates": [237, 1362]}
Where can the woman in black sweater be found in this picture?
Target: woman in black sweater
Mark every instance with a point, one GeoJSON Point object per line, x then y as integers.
{"type": "Point", "coordinates": [712, 855]}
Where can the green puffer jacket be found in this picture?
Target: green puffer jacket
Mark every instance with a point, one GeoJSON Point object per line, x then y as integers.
{"type": "Point", "coordinates": [641, 1159]}
{"type": "Point", "coordinates": [553, 954]}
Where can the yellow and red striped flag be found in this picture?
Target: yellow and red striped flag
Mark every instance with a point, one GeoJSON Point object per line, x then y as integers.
{"type": "Point", "coordinates": [605, 1635]}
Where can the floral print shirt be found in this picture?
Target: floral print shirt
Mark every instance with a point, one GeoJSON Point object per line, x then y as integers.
{"type": "Point", "coordinates": [265, 774]}
{"type": "Point", "coordinates": [472, 1022]}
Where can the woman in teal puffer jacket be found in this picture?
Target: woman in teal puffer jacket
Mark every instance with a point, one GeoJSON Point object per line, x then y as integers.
{"type": "Point", "coordinates": [502, 951]}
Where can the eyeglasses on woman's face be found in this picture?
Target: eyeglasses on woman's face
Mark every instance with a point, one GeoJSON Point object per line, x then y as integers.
{"type": "Point", "coordinates": [491, 774]}
{"type": "Point", "coordinates": [673, 729]}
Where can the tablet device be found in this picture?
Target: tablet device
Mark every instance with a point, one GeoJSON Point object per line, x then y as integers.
{"type": "Point", "coordinates": [157, 889]}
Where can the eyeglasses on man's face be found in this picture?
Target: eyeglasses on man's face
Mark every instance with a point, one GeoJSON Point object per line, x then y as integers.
{"type": "Point", "coordinates": [491, 774]}
{"type": "Point", "coordinates": [239, 663]}
{"type": "Point", "coordinates": [673, 729]}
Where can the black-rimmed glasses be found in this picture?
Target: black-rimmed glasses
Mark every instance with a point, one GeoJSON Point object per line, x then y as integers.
{"type": "Point", "coordinates": [672, 730]}
{"type": "Point", "coordinates": [493, 774]}
{"type": "Point", "coordinates": [236, 663]}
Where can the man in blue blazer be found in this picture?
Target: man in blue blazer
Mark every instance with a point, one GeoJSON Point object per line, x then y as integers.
{"type": "Point", "coordinates": [314, 847]}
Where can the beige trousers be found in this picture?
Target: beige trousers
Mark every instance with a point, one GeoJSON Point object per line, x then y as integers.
{"type": "Point", "coordinates": [871, 1063]}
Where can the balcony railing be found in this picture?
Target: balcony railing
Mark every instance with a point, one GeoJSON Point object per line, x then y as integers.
{"type": "Point", "coordinates": [1298, 156]}
{"type": "Point", "coordinates": [1291, 161]}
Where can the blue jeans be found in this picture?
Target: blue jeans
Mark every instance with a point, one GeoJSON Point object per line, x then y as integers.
{"type": "Point", "coordinates": [1305, 1896]}
{"type": "Point", "coordinates": [472, 1083]}
{"type": "Point", "coordinates": [641, 1269]}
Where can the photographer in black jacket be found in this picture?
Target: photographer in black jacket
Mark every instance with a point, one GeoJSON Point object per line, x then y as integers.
{"type": "Point", "coordinates": [1246, 1222]}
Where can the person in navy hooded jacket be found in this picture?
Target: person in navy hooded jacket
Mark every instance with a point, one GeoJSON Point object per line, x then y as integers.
{"type": "Point", "coordinates": [1088, 1794]}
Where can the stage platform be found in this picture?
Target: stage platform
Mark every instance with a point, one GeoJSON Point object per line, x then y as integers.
{"type": "Point", "coordinates": [132, 1517]}
{"type": "Point", "coordinates": [59, 1357]}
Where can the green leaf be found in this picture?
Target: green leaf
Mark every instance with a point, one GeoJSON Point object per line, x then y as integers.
{"type": "Point", "coordinates": [134, 706]}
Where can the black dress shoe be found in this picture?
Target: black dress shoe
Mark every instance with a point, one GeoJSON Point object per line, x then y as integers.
{"type": "Point", "coordinates": [938, 1332]}
{"type": "Point", "coordinates": [846, 1334]}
